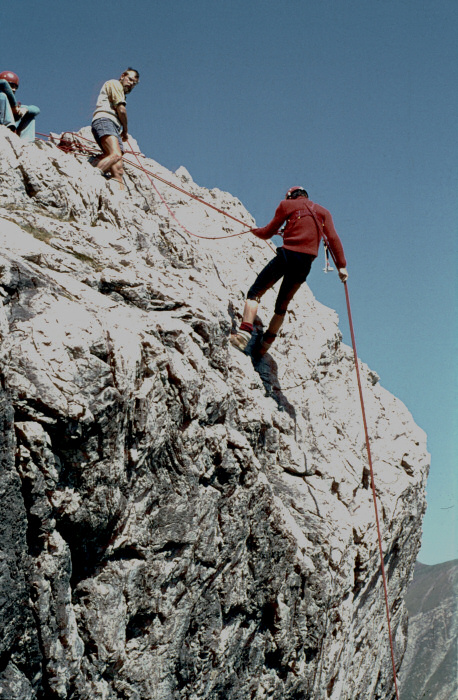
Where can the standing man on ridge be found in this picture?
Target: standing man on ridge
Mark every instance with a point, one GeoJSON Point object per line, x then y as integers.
{"type": "Point", "coordinates": [109, 123]}
{"type": "Point", "coordinates": [306, 223]}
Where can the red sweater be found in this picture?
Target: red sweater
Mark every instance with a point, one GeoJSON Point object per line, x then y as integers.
{"type": "Point", "coordinates": [301, 233]}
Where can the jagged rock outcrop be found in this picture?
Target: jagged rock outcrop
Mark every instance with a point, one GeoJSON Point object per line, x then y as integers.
{"type": "Point", "coordinates": [430, 666]}
{"type": "Point", "coordinates": [158, 540]}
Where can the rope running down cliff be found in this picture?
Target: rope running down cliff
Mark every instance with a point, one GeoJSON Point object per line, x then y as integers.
{"type": "Point", "coordinates": [72, 146]}
{"type": "Point", "coordinates": [374, 496]}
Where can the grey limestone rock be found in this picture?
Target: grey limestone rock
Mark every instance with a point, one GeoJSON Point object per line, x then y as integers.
{"type": "Point", "coordinates": [159, 539]}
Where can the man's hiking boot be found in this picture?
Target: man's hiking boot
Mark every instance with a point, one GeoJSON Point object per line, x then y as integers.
{"type": "Point", "coordinates": [266, 343]}
{"type": "Point", "coordinates": [240, 340]}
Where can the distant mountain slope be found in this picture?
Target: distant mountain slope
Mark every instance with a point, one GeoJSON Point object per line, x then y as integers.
{"type": "Point", "coordinates": [430, 668]}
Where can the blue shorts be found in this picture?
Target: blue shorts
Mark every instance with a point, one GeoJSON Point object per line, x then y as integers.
{"type": "Point", "coordinates": [106, 127]}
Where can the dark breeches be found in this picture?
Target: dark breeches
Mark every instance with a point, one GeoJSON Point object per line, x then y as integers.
{"type": "Point", "coordinates": [293, 267]}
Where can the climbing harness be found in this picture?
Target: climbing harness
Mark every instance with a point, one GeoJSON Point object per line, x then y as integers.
{"type": "Point", "coordinates": [73, 144]}
{"type": "Point", "coordinates": [320, 229]}
{"type": "Point", "coordinates": [327, 265]}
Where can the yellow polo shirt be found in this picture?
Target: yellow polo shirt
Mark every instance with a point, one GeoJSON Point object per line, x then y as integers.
{"type": "Point", "coordinates": [111, 95]}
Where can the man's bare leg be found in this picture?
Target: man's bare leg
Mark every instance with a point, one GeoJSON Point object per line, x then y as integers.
{"type": "Point", "coordinates": [250, 310]}
{"type": "Point", "coordinates": [241, 339]}
{"type": "Point", "coordinates": [112, 160]}
{"type": "Point", "coordinates": [275, 324]}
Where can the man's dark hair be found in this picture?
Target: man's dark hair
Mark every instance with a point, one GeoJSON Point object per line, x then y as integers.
{"type": "Point", "coordinates": [298, 193]}
{"type": "Point", "coordinates": [133, 71]}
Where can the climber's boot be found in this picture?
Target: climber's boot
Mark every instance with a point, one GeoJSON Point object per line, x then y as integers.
{"type": "Point", "coordinates": [240, 340]}
{"type": "Point", "coordinates": [267, 339]}
{"type": "Point", "coordinates": [270, 334]}
{"type": "Point", "coordinates": [243, 336]}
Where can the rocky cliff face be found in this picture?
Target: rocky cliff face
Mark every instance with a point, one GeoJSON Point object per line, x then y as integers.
{"type": "Point", "coordinates": [158, 539]}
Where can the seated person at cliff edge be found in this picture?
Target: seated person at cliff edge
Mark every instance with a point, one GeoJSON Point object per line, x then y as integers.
{"type": "Point", "coordinates": [17, 117]}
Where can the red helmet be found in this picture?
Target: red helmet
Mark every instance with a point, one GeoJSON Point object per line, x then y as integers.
{"type": "Point", "coordinates": [10, 77]}
{"type": "Point", "coordinates": [294, 192]}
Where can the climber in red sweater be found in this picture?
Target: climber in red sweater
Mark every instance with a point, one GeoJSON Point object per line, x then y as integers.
{"type": "Point", "coordinates": [306, 223]}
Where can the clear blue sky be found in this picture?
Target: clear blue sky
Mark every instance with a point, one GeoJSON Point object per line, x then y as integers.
{"type": "Point", "coordinates": [354, 99]}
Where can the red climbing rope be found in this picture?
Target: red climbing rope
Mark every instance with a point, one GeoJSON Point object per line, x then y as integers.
{"type": "Point", "coordinates": [180, 189]}
{"type": "Point", "coordinates": [69, 145]}
{"type": "Point", "coordinates": [369, 459]}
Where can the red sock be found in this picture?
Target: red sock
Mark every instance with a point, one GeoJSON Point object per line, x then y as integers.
{"type": "Point", "coordinates": [246, 327]}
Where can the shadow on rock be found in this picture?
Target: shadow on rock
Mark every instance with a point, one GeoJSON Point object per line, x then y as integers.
{"type": "Point", "coordinates": [267, 369]}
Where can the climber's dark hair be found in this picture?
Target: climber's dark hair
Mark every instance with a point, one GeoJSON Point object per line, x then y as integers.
{"type": "Point", "coordinates": [298, 193]}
